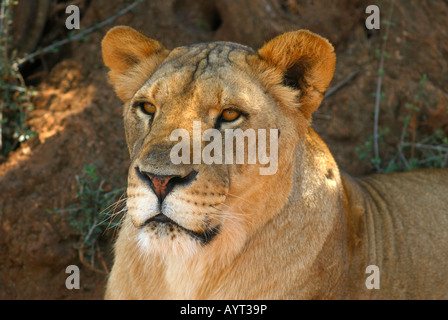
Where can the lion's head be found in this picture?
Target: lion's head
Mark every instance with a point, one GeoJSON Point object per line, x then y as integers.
{"type": "Point", "coordinates": [195, 206]}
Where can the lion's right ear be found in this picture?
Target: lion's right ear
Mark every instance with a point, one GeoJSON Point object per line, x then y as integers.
{"type": "Point", "coordinates": [131, 58]}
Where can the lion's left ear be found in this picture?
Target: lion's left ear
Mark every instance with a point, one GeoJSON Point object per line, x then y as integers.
{"type": "Point", "coordinates": [307, 62]}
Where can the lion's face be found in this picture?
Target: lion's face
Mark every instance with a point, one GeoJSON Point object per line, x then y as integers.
{"type": "Point", "coordinates": [196, 83]}
{"type": "Point", "coordinates": [201, 88]}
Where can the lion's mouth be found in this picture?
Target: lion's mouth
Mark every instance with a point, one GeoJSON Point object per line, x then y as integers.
{"type": "Point", "coordinates": [203, 237]}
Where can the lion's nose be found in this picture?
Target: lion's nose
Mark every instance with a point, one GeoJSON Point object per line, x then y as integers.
{"type": "Point", "coordinates": [162, 185]}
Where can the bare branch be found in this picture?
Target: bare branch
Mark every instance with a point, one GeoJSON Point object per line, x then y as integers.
{"type": "Point", "coordinates": [79, 36]}
{"type": "Point", "coordinates": [426, 146]}
{"type": "Point", "coordinates": [340, 84]}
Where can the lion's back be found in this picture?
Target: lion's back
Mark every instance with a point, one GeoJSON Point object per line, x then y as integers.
{"type": "Point", "coordinates": [407, 216]}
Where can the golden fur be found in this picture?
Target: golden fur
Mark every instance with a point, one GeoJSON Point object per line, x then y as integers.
{"type": "Point", "coordinates": [307, 232]}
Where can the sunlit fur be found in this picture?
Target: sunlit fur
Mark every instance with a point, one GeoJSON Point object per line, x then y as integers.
{"type": "Point", "coordinates": [307, 231]}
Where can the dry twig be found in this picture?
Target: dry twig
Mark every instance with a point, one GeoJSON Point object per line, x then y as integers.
{"type": "Point", "coordinates": [378, 90]}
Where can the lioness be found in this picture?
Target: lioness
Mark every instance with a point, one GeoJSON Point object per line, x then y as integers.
{"type": "Point", "coordinates": [224, 231]}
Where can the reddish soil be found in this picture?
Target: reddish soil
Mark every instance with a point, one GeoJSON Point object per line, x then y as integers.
{"type": "Point", "coordinates": [78, 117]}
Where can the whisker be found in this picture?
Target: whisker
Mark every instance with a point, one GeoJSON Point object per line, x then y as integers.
{"type": "Point", "coordinates": [235, 196]}
{"type": "Point", "coordinates": [242, 213]}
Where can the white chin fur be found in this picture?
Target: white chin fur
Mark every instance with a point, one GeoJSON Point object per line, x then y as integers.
{"type": "Point", "coordinates": [182, 246]}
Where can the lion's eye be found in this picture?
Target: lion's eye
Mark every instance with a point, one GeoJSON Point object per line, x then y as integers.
{"type": "Point", "coordinates": [148, 108]}
{"type": "Point", "coordinates": [229, 115]}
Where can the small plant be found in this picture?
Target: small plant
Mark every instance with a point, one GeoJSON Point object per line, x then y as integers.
{"type": "Point", "coordinates": [365, 151]}
{"type": "Point", "coordinates": [413, 152]}
{"type": "Point", "coordinates": [90, 216]}
{"type": "Point", "coordinates": [15, 96]}
{"type": "Point", "coordinates": [379, 95]}
{"type": "Point", "coordinates": [430, 152]}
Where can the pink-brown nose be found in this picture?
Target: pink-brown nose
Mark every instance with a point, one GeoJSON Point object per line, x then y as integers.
{"type": "Point", "coordinates": [163, 184]}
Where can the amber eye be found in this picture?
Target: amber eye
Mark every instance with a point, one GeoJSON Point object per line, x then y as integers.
{"type": "Point", "coordinates": [148, 108]}
{"type": "Point", "coordinates": [230, 115]}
